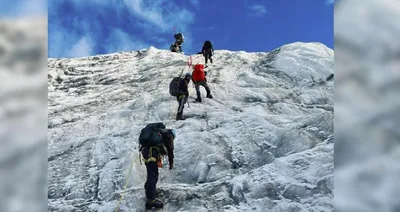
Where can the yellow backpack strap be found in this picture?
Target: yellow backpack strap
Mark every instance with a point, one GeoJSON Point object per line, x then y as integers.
{"type": "Point", "coordinates": [151, 158]}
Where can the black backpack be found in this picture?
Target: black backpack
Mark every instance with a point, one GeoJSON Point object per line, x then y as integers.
{"type": "Point", "coordinates": [207, 44]}
{"type": "Point", "coordinates": [178, 36]}
{"type": "Point", "coordinates": [174, 86]}
{"type": "Point", "coordinates": [152, 135]}
{"type": "Point", "coordinates": [172, 48]}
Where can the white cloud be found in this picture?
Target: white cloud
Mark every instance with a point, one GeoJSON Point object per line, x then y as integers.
{"type": "Point", "coordinates": [160, 13]}
{"type": "Point", "coordinates": [194, 2]}
{"type": "Point", "coordinates": [121, 41]}
{"type": "Point", "coordinates": [66, 43]}
{"type": "Point", "coordinates": [158, 39]}
{"type": "Point", "coordinates": [151, 14]}
{"type": "Point", "coordinates": [55, 43]}
{"type": "Point", "coordinates": [82, 48]}
{"type": "Point", "coordinates": [258, 10]}
{"type": "Point", "coordinates": [329, 2]}
{"type": "Point", "coordinates": [93, 2]}
{"type": "Point", "coordinates": [188, 45]}
{"type": "Point", "coordinates": [161, 16]}
{"type": "Point", "coordinates": [156, 19]}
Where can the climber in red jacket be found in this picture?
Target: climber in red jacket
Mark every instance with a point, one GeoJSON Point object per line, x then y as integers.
{"type": "Point", "coordinates": [199, 78]}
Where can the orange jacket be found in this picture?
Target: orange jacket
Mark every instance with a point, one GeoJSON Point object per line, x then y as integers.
{"type": "Point", "coordinates": [198, 73]}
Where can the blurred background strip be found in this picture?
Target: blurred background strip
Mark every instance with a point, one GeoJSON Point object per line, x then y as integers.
{"type": "Point", "coordinates": [23, 105]}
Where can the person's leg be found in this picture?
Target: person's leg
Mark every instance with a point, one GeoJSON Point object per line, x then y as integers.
{"type": "Point", "coordinates": [152, 178]}
{"type": "Point", "coordinates": [197, 86]}
{"type": "Point", "coordinates": [181, 106]}
{"type": "Point", "coordinates": [205, 85]}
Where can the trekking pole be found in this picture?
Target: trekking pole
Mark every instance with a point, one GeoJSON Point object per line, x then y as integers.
{"type": "Point", "coordinates": [182, 71]}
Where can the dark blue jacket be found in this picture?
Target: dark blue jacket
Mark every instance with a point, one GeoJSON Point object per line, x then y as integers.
{"type": "Point", "coordinates": [183, 87]}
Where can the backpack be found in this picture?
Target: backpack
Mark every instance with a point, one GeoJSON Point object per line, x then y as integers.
{"type": "Point", "coordinates": [198, 73]}
{"type": "Point", "coordinates": [152, 135]}
{"type": "Point", "coordinates": [174, 86]}
{"type": "Point", "coordinates": [173, 48]}
{"type": "Point", "coordinates": [208, 44]}
{"type": "Point", "coordinates": [179, 36]}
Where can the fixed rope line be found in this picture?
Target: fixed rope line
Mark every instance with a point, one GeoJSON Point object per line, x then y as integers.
{"type": "Point", "coordinates": [124, 189]}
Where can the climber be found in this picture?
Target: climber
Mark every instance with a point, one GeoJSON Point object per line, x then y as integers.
{"type": "Point", "coordinates": [199, 78]}
{"type": "Point", "coordinates": [183, 95]}
{"type": "Point", "coordinates": [207, 51]}
{"type": "Point", "coordinates": [156, 142]}
{"type": "Point", "coordinates": [177, 46]}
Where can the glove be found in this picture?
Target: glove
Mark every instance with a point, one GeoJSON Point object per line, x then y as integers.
{"type": "Point", "coordinates": [171, 166]}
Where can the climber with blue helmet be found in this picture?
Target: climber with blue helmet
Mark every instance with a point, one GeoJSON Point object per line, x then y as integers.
{"type": "Point", "coordinates": [183, 95]}
{"type": "Point", "coordinates": [173, 132]}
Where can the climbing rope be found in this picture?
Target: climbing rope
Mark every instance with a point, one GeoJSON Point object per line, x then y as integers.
{"type": "Point", "coordinates": [124, 189]}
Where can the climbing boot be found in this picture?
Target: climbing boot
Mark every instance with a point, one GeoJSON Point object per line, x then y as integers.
{"type": "Point", "coordinates": [154, 204]}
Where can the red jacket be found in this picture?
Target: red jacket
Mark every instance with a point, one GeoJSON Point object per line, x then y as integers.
{"type": "Point", "coordinates": [198, 73]}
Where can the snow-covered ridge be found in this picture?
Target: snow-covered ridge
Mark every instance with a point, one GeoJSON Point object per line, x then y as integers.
{"type": "Point", "coordinates": [265, 142]}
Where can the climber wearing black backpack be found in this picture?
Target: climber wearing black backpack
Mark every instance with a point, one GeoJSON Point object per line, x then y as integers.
{"type": "Point", "coordinates": [183, 94]}
{"type": "Point", "coordinates": [207, 51]}
{"type": "Point", "coordinates": [179, 88]}
{"type": "Point", "coordinates": [155, 142]}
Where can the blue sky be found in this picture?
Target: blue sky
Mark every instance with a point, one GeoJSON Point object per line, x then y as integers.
{"type": "Point", "coordinates": [89, 27]}
{"type": "Point", "coordinates": [23, 8]}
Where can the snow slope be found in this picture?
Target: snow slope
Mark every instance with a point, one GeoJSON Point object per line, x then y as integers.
{"type": "Point", "coordinates": [265, 142]}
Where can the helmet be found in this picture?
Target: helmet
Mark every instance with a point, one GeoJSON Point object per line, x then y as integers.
{"type": "Point", "coordinates": [173, 133]}
{"type": "Point", "coordinates": [188, 75]}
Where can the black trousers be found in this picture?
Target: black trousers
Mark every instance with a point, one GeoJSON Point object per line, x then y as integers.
{"type": "Point", "coordinates": [152, 178]}
{"type": "Point", "coordinates": [182, 101]}
{"type": "Point", "coordinates": [152, 172]}
{"type": "Point", "coordinates": [205, 85]}
{"type": "Point", "coordinates": [207, 55]}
